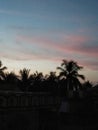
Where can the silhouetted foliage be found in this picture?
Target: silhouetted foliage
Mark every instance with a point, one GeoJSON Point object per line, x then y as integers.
{"type": "Point", "coordinates": [51, 82]}
{"type": "Point", "coordinates": [10, 77]}
{"type": "Point", "coordinates": [25, 79]}
{"type": "Point", "coordinates": [67, 81]}
{"type": "Point", "coordinates": [2, 70]}
{"type": "Point", "coordinates": [87, 85]}
{"type": "Point", "coordinates": [69, 72]}
{"type": "Point", "coordinates": [37, 79]}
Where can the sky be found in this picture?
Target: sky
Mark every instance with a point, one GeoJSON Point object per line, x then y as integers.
{"type": "Point", "coordinates": [38, 34]}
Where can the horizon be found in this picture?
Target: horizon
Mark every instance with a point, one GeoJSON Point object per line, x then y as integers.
{"type": "Point", "coordinates": [38, 34]}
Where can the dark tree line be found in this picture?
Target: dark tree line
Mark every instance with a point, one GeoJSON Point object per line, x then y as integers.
{"type": "Point", "coordinates": [66, 83]}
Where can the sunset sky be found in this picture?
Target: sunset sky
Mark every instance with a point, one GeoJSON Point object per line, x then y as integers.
{"type": "Point", "coordinates": [38, 34]}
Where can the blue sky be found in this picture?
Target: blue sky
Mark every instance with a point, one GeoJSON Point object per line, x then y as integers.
{"type": "Point", "coordinates": [38, 34]}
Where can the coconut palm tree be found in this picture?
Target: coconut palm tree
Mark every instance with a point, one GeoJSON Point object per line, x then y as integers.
{"type": "Point", "coordinates": [51, 82]}
{"type": "Point", "coordinates": [2, 70]}
{"type": "Point", "coordinates": [38, 80]}
{"type": "Point", "coordinates": [10, 81]}
{"type": "Point", "coordinates": [10, 77]}
{"type": "Point", "coordinates": [25, 79]}
{"type": "Point", "coordinates": [69, 72]}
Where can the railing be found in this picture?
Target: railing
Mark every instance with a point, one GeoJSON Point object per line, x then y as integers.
{"type": "Point", "coordinates": [28, 100]}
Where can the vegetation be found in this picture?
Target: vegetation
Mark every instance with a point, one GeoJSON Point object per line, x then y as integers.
{"type": "Point", "coordinates": [66, 83]}
{"type": "Point", "coordinates": [2, 71]}
{"type": "Point", "coordinates": [69, 71]}
{"type": "Point", "coordinates": [25, 79]}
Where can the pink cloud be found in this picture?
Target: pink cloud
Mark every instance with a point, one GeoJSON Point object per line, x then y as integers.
{"type": "Point", "coordinates": [93, 52]}
{"type": "Point", "coordinates": [90, 64]}
{"type": "Point", "coordinates": [70, 44]}
{"type": "Point", "coordinates": [73, 45]}
{"type": "Point", "coordinates": [76, 39]}
{"type": "Point", "coordinates": [25, 56]}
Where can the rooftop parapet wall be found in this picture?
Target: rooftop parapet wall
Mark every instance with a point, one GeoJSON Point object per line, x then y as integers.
{"type": "Point", "coordinates": [28, 100]}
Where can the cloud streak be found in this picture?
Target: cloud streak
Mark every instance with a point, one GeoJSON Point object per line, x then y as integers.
{"type": "Point", "coordinates": [72, 45]}
{"type": "Point", "coordinates": [29, 15]}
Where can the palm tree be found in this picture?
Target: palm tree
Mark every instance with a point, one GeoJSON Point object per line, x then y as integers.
{"type": "Point", "coordinates": [38, 80]}
{"type": "Point", "coordinates": [10, 77]}
{"type": "Point", "coordinates": [69, 72]}
{"type": "Point", "coordinates": [25, 79]}
{"type": "Point", "coordinates": [2, 70]}
{"type": "Point", "coordinates": [52, 76]}
{"type": "Point", "coordinates": [51, 82]}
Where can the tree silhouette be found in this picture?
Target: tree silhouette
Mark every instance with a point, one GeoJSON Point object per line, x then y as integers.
{"type": "Point", "coordinates": [87, 85]}
{"type": "Point", "coordinates": [51, 82]}
{"type": "Point", "coordinates": [10, 77]}
{"type": "Point", "coordinates": [2, 70]}
{"type": "Point", "coordinates": [69, 72]}
{"type": "Point", "coordinates": [52, 76]}
{"type": "Point", "coordinates": [25, 79]}
{"type": "Point", "coordinates": [38, 79]}
{"type": "Point", "coordinates": [38, 76]}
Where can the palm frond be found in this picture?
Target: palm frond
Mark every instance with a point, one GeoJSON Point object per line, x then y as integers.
{"type": "Point", "coordinates": [62, 74]}
{"type": "Point", "coordinates": [64, 62]}
{"type": "Point", "coordinates": [3, 68]}
{"type": "Point", "coordinates": [60, 68]}
{"type": "Point", "coordinates": [81, 76]}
